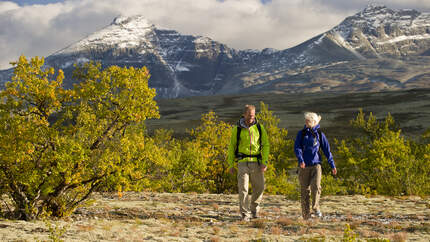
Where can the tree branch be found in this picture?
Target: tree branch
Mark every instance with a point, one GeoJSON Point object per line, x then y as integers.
{"type": "Point", "coordinates": [103, 136]}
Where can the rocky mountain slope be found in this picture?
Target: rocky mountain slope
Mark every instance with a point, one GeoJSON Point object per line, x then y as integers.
{"type": "Point", "coordinates": [375, 49]}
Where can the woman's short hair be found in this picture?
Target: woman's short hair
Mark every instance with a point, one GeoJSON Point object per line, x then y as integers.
{"type": "Point", "coordinates": [313, 117]}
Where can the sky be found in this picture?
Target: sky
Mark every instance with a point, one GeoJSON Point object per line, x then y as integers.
{"type": "Point", "coordinates": [42, 27]}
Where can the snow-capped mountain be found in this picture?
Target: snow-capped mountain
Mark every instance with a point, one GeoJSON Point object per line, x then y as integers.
{"type": "Point", "coordinates": [180, 65]}
{"type": "Point", "coordinates": [375, 49]}
{"type": "Point", "coordinates": [379, 31]}
{"type": "Point", "coordinates": [375, 32]}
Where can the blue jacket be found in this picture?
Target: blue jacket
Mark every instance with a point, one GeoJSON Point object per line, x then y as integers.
{"type": "Point", "coordinates": [307, 149]}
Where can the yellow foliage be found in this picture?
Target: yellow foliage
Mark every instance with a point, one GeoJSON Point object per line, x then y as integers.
{"type": "Point", "coordinates": [57, 146]}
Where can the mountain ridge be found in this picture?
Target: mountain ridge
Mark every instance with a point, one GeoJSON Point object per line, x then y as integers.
{"type": "Point", "coordinates": [186, 65]}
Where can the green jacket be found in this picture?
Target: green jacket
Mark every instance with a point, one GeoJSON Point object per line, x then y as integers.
{"type": "Point", "coordinates": [249, 144]}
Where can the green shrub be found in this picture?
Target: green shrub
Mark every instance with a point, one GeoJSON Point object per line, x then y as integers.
{"type": "Point", "coordinates": [333, 186]}
{"type": "Point", "coordinates": [348, 234]}
{"type": "Point", "coordinates": [382, 161]}
{"type": "Point", "coordinates": [281, 157]}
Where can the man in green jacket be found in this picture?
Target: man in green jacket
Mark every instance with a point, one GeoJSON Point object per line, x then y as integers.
{"type": "Point", "coordinates": [250, 148]}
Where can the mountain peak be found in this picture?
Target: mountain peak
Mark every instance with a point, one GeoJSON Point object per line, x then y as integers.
{"type": "Point", "coordinates": [135, 21]}
{"type": "Point", "coordinates": [123, 32]}
{"type": "Point", "coordinates": [379, 10]}
{"type": "Point", "coordinates": [374, 9]}
{"type": "Point", "coordinates": [375, 16]}
{"type": "Point", "coordinates": [371, 7]}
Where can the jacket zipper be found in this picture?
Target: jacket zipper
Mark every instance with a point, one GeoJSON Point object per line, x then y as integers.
{"type": "Point", "coordinates": [250, 142]}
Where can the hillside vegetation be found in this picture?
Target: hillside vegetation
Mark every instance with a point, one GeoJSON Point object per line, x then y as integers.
{"type": "Point", "coordinates": [409, 108]}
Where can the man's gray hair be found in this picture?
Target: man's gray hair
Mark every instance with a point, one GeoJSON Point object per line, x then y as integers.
{"type": "Point", "coordinates": [248, 107]}
{"type": "Point", "coordinates": [313, 117]}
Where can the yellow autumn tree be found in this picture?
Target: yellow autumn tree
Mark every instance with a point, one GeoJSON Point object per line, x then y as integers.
{"type": "Point", "coordinates": [58, 145]}
{"type": "Point", "coordinates": [212, 138]}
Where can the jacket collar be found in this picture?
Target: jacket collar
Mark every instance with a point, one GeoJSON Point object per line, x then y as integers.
{"type": "Point", "coordinates": [241, 123]}
{"type": "Point", "coordinates": [314, 129]}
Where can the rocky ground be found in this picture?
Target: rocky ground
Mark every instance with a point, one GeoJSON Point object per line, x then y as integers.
{"type": "Point", "coordinates": [212, 217]}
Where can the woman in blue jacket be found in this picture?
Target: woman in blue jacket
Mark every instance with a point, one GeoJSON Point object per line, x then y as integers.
{"type": "Point", "coordinates": [306, 147]}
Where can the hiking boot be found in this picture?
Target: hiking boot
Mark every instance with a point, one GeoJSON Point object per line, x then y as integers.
{"type": "Point", "coordinates": [245, 219]}
{"type": "Point", "coordinates": [318, 214]}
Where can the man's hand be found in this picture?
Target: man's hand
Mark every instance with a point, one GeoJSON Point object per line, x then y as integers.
{"type": "Point", "coordinates": [231, 170]}
{"type": "Point", "coordinates": [334, 171]}
{"type": "Point", "coordinates": [302, 165]}
{"type": "Point", "coordinates": [263, 168]}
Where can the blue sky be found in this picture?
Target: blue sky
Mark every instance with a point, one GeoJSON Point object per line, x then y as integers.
{"type": "Point", "coordinates": [42, 27]}
{"type": "Point", "coordinates": [30, 2]}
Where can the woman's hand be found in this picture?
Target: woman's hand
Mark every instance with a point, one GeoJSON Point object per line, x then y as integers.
{"type": "Point", "coordinates": [263, 168]}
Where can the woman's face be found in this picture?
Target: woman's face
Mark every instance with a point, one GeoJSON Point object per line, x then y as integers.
{"type": "Point", "coordinates": [309, 123]}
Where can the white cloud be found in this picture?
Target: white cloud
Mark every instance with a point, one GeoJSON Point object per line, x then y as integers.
{"type": "Point", "coordinates": [6, 6]}
{"type": "Point", "coordinates": [43, 29]}
{"type": "Point", "coordinates": [421, 5]}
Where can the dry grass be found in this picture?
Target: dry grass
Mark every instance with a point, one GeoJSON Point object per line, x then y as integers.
{"type": "Point", "coordinates": [355, 224]}
{"type": "Point", "coordinates": [369, 233]}
{"type": "Point", "coordinates": [209, 217]}
{"type": "Point", "coordinates": [394, 225]}
{"type": "Point", "coordinates": [276, 210]}
{"type": "Point", "coordinates": [85, 228]}
{"type": "Point", "coordinates": [215, 206]}
{"type": "Point", "coordinates": [175, 233]}
{"type": "Point", "coordinates": [259, 223]}
{"type": "Point", "coordinates": [321, 232]}
{"type": "Point", "coordinates": [215, 239]}
{"type": "Point", "coordinates": [275, 230]}
{"type": "Point", "coordinates": [216, 230]}
{"type": "Point", "coordinates": [284, 221]}
{"type": "Point", "coordinates": [399, 237]}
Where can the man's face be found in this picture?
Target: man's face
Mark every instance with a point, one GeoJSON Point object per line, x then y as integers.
{"type": "Point", "coordinates": [249, 116]}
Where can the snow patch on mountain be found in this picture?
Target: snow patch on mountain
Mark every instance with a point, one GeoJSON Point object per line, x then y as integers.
{"type": "Point", "coordinates": [404, 38]}
{"type": "Point", "coordinates": [181, 67]}
{"type": "Point", "coordinates": [202, 40]}
{"type": "Point", "coordinates": [319, 40]}
{"type": "Point", "coordinates": [340, 40]}
{"type": "Point", "coordinates": [80, 60]}
{"type": "Point", "coordinates": [124, 32]}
